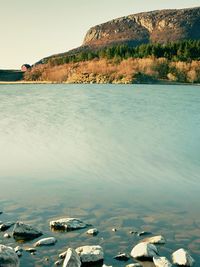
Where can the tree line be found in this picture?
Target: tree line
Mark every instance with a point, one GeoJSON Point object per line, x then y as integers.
{"type": "Point", "coordinates": [177, 51]}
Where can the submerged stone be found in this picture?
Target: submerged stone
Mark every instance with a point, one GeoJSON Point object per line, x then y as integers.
{"type": "Point", "coordinates": [72, 259]}
{"type": "Point", "coordinates": [93, 231]}
{"type": "Point", "coordinates": [90, 253]}
{"type": "Point", "coordinates": [49, 241]}
{"type": "Point", "coordinates": [161, 262]}
{"type": "Point", "coordinates": [8, 257]}
{"type": "Point", "coordinates": [182, 257]}
{"type": "Point", "coordinates": [24, 231]}
{"type": "Point", "coordinates": [67, 224]}
{"type": "Point", "coordinates": [144, 251]}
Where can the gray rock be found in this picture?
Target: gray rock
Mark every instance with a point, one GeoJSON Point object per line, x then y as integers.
{"type": "Point", "coordinates": [144, 233]}
{"type": "Point", "coordinates": [182, 257]}
{"type": "Point", "coordinates": [93, 231]}
{"type": "Point", "coordinates": [72, 259]}
{"type": "Point", "coordinates": [122, 257]}
{"type": "Point", "coordinates": [49, 241]}
{"type": "Point", "coordinates": [67, 224]}
{"type": "Point", "coordinates": [90, 253]}
{"type": "Point", "coordinates": [161, 262]}
{"type": "Point", "coordinates": [144, 251]}
{"type": "Point", "coordinates": [6, 226]}
{"type": "Point", "coordinates": [24, 231]}
{"type": "Point", "coordinates": [159, 239]}
{"type": "Point", "coordinates": [8, 257]}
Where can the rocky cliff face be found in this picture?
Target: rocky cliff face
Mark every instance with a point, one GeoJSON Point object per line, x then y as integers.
{"type": "Point", "coordinates": [156, 26]}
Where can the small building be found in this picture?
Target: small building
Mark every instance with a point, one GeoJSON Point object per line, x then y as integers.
{"type": "Point", "coordinates": [25, 67]}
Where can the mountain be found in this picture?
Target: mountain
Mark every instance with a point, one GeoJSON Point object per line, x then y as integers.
{"type": "Point", "coordinates": [160, 26]}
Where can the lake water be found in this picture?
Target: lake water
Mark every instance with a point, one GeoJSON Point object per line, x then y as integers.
{"type": "Point", "coordinates": [116, 156]}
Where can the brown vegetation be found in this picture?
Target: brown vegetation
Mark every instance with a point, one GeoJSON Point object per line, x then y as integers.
{"type": "Point", "coordinates": [117, 71]}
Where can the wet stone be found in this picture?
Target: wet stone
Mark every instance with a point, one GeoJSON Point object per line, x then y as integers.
{"type": "Point", "coordinates": [67, 224]}
{"type": "Point", "coordinates": [49, 241]}
{"type": "Point", "coordinates": [122, 257]}
{"type": "Point", "coordinates": [8, 257]}
{"type": "Point", "coordinates": [144, 233]}
{"type": "Point", "coordinates": [24, 232]}
{"type": "Point", "coordinates": [93, 231]}
{"type": "Point", "coordinates": [6, 226]}
{"type": "Point", "coordinates": [144, 251]}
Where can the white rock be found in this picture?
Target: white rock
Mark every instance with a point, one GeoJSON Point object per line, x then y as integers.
{"type": "Point", "coordinates": [46, 241]}
{"type": "Point", "coordinates": [182, 257]}
{"type": "Point", "coordinates": [24, 231]}
{"type": "Point", "coordinates": [161, 262]}
{"type": "Point", "coordinates": [6, 235]}
{"type": "Point", "coordinates": [114, 229]}
{"type": "Point", "coordinates": [8, 257]}
{"type": "Point", "coordinates": [106, 265]}
{"type": "Point", "coordinates": [72, 259]}
{"type": "Point", "coordinates": [68, 224]}
{"type": "Point", "coordinates": [90, 253]}
{"type": "Point", "coordinates": [93, 231]}
{"type": "Point", "coordinates": [159, 239]}
{"type": "Point", "coordinates": [144, 250]}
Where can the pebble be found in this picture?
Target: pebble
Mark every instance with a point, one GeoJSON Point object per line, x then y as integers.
{"type": "Point", "coordinates": [6, 235]}
{"type": "Point", "coordinates": [57, 263]}
{"type": "Point", "coordinates": [144, 233]}
{"type": "Point", "coordinates": [114, 229]}
{"type": "Point", "coordinates": [19, 254]}
{"type": "Point", "coordinates": [93, 231]}
{"type": "Point", "coordinates": [122, 257]}
{"type": "Point", "coordinates": [31, 250]}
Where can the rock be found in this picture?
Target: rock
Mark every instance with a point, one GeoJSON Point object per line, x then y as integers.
{"type": "Point", "coordinates": [114, 230]}
{"type": "Point", "coordinates": [144, 251]}
{"type": "Point", "coordinates": [49, 241]}
{"type": "Point", "coordinates": [24, 231]}
{"type": "Point", "coordinates": [67, 224]}
{"type": "Point", "coordinates": [31, 250]}
{"type": "Point", "coordinates": [57, 263]}
{"type": "Point", "coordinates": [8, 257]}
{"type": "Point", "coordinates": [122, 257]}
{"type": "Point", "coordinates": [63, 254]}
{"type": "Point", "coordinates": [143, 233]}
{"type": "Point", "coordinates": [106, 265]}
{"type": "Point", "coordinates": [133, 232]}
{"type": "Point", "coordinates": [161, 262]}
{"type": "Point", "coordinates": [134, 265]}
{"type": "Point", "coordinates": [182, 257]}
{"type": "Point", "coordinates": [155, 240]}
{"type": "Point", "coordinates": [18, 248]}
{"type": "Point", "coordinates": [1, 212]}
{"type": "Point", "coordinates": [72, 259]}
{"type": "Point", "coordinates": [93, 231]}
{"type": "Point", "coordinates": [6, 226]}
{"type": "Point", "coordinates": [90, 253]}
{"type": "Point", "coordinates": [19, 254]}
{"type": "Point", "coordinates": [6, 235]}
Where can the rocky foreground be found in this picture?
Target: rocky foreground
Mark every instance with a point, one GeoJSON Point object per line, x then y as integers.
{"type": "Point", "coordinates": [147, 250]}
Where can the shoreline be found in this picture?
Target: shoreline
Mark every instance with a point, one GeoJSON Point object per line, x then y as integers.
{"type": "Point", "coordinates": [137, 83]}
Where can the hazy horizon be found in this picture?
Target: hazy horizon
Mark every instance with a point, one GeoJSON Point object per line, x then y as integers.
{"type": "Point", "coordinates": [32, 30]}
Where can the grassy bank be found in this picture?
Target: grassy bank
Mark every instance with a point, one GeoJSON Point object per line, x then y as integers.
{"type": "Point", "coordinates": [126, 71]}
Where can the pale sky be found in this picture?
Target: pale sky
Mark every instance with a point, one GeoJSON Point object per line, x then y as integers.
{"type": "Point", "coordinates": [33, 29]}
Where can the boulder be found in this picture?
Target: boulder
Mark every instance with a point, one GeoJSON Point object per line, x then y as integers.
{"type": "Point", "coordinates": [24, 231]}
{"type": "Point", "coordinates": [72, 259]}
{"type": "Point", "coordinates": [90, 253]}
{"type": "Point", "coordinates": [182, 257]}
{"type": "Point", "coordinates": [161, 262]}
{"type": "Point", "coordinates": [49, 241]}
{"type": "Point", "coordinates": [155, 240]}
{"type": "Point", "coordinates": [6, 226]}
{"type": "Point", "coordinates": [144, 251]}
{"type": "Point", "coordinates": [8, 257]}
{"type": "Point", "coordinates": [67, 224]}
{"type": "Point", "coordinates": [93, 231]}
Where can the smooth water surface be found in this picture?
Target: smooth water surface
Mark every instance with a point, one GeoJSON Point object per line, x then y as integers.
{"type": "Point", "coordinates": [117, 156]}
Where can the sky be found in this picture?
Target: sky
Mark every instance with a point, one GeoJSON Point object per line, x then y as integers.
{"type": "Point", "coordinates": [33, 29]}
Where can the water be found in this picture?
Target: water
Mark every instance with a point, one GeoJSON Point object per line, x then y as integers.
{"type": "Point", "coordinates": [116, 156]}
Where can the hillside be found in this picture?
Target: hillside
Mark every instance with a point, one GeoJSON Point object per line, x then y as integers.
{"type": "Point", "coordinates": [157, 27]}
